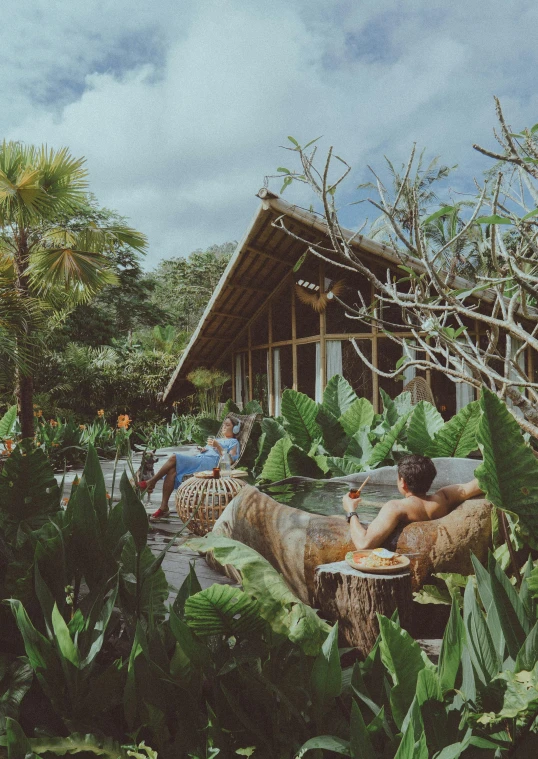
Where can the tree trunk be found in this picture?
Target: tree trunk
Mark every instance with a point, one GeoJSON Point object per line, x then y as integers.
{"type": "Point", "coordinates": [353, 599]}
{"type": "Point", "coordinates": [25, 398]}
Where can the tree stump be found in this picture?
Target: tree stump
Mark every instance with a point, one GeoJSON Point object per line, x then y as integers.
{"type": "Point", "coordinates": [353, 599]}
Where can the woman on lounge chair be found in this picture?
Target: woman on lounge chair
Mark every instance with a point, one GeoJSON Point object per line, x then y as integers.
{"type": "Point", "coordinates": [180, 464]}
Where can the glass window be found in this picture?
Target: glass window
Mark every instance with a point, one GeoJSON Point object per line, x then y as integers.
{"type": "Point", "coordinates": [282, 316]}
{"type": "Point", "coordinates": [260, 385]}
{"type": "Point", "coordinates": [357, 373]}
{"type": "Point", "coordinates": [241, 378]}
{"type": "Point", "coordinates": [306, 318]}
{"type": "Point", "coordinates": [388, 355]}
{"type": "Point", "coordinates": [444, 392]}
{"type": "Point", "coordinates": [306, 369]}
{"type": "Point", "coordinates": [282, 374]}
{"type": "Point", "coordinates": [337, 323]}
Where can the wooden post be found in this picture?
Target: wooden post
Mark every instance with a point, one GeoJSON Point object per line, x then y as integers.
{"type": "Point", "coordinates": [270, 379]}
{"type": "Point", "coordinates": [322, 332]}
{"type": "Point", "coordinates": [250, 377]}
{"type": "Point", "coordinates": [234, 399]}
{"type": "Point", "coordinates": [295, 383]}
{"type": "Point", "coordinates": [353, 599]}
{"type": "Point", "coordinates": [375, 376]}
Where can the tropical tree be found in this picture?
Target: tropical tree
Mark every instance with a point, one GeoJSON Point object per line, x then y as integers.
{"type": "Point", "coordinates": [436, 307]}
{"type": "Point", "coordinates": [53, 250]}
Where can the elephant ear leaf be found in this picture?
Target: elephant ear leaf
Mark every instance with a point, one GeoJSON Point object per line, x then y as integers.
{"type": "Point", "coordinates": [338, 396]}
{"type": "Point", "coordinates": [300, 413]}
{"type": "Point", "coordinates": [424, 424]}
{"type": "Point", "coordinates": [335, 440]}
{"type": "Point", "coordinates": [300, 464]}
{"type": "Point", "coordinates": [276, 467]}
{"type": "Point", "coordinates": [7, 422]}
{"type": "Point", "coordinates": [223, 610]}
{"type": "Point", "coordinates": [359, 414]}
{"type": "Point", "coordinates": [457, 438]}
{"type": "Point", "coordinates": [390, 411]}
{"type": "Point", "coordinates": [386, 444]}
{"type": "Point", "coordinates": [508, 474]}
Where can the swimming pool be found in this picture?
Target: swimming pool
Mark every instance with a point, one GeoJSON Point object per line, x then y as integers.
{"type": "Point", "coordinates": [325, 496]}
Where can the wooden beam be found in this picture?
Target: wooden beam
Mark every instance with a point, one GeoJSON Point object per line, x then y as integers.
{"type": "Point", "coordinates": [250, 377]}
{"type": "Point", "coordinates": [248, 288]}
{"type": "Point", "coordinates": [231, 316]}
{"type": "Point", "coordinates": [271, 256]}
{"type": "Point", "coordinates": [218, 339]}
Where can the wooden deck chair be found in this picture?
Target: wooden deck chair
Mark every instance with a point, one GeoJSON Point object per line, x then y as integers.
{"type": "Point", "coordinates": [420, 391]}
{"type": "Point", "coordinates": [247, 422]}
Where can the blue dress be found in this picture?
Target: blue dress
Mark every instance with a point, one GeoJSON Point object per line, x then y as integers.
{"type": "Point", "coordinates": [186, 464]}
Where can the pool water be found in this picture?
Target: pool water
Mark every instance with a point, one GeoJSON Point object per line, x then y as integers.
{"type": "Point", "coordinates": [325, 497]}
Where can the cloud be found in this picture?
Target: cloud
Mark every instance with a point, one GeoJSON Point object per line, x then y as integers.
{"type": "Point", "coordinates": [180, 108]}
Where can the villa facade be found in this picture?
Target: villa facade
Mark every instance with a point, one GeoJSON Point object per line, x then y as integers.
{"type": "Point", "coordinates": [260, 327]}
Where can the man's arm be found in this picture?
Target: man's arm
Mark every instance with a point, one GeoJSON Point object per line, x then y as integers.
{"type": "Point", "coordinates": [452, 495]}
{"type": "Point", "coordinates": [378, 531]}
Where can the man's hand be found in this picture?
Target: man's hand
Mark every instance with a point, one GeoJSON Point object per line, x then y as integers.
{"type": "Point", "coordinates": [350, 504]}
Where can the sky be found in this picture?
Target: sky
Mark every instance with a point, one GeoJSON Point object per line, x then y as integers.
{"type": "Point", "coordinates": [181, 108]}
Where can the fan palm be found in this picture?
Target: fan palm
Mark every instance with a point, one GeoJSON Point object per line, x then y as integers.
{"type": "Point", "coordinates": [52, 247]}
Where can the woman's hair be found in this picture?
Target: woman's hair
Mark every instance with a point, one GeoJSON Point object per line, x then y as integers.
{"type": "Point", "coordinates": [418, 472]}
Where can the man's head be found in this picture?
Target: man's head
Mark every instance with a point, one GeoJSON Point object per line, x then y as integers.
{"type": "Point", "coordinates": [415, 474]}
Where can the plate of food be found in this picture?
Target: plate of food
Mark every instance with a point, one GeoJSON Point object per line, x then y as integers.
{"type": "Point", "coordinates": [377, 561]}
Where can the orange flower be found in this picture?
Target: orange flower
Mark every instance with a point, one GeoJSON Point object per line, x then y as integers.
{"type": "Point", "coordinates": [108, 496]}
{"type": "Point", "coordinates": [101, 412]}
{"type": "Point", "coordinates": [38, 413]}
{"type": "Point", "coordinates": [82, 426]}
{"type": "Point", "coordinates": [123, 421]}
{"type": "Point", "coordinates": [53, 423]}
{"type": "Point", "coordinates": [9, 445]}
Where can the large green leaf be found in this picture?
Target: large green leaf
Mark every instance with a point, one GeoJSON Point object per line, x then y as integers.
{"type": "Point", "coordinates": [222, 610]}
{"type": "Point", "coordinates": [272, 431]}
{"type": "Point", "coordinates": [93, 474]}
{"type": "Point", "coordinates": [154, 592]}
{"type": "Point", "coordinates": [338, 396]}
{"type": "Point", "coordinates": [360, 742]}
{"type": "Point", "coordinates": [324, 743]}
{"type": "Point", "coordinates": [359, 414]}
{"type": "Point", "coordinates": [15, 680]}
{"type": "Point", "coordinates": [205, 427]}
{"type": "Point", "coordinates": [301, 464]}
{"type": "Point", "coordinates": [134, 513]}
{"type": "Point", "coordinates": [451, 649]}
{"type": "Point", "coordinates": [326, 675]}
{"type": "Point", "coordinates": [341, 467]}
{"type": "Point", "coordinates": [335, 439]}
{"type": "Point", "coordinates": [485, 591]}
{"type": "Point", "coordinates": [360, 447]}
{"type": "Point", "coordinates": [457, 438]}
{"type": "Point", "coordinates": [28, 488]}
{"type": "Point", "coordinates": [390, 412]}
{"type": "Point", "coordinates": [403, 659]}
{"type": "Point", "coordinates": [423, 425]}
{"type": "Point", "coordinates": [403, 403]}
{"type": "Point", "coordinates": [528, 655]}
{"type": "Point", "coordinates": [512, 615]}
{"type": "Point", "coordinates": [384, 447]}
{"type": "Point", "coordinates": [299, 412]}
{"type": "Point", "coordinates": [276, 467]}
{"type": "Point", "coordinates": [482, 651]}
{"type": "Point", "coordinates": [509, 472]}
{"type": "Point", "coordinates": [7, 422]}
{"type": "Point", "coordinates": [286, 614]}
{"type": "Point", "coordinates": [75, 743]}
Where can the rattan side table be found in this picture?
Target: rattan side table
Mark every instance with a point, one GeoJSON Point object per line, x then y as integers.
{"type": "Point", "coordinates": [204, 499]}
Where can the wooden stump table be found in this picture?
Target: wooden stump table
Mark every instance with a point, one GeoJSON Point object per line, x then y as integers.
{"type": "Point", "coordinates": [353, 599]}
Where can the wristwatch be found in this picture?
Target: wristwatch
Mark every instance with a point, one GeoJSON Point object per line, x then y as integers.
{"type": "Point", "coordinates": [352, 514]}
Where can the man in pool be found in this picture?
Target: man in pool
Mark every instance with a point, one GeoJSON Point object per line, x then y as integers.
{"type": "Point", "coordinates": [415, 476]}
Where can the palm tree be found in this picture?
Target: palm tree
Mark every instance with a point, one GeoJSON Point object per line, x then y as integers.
{"type": "Point", "coordinates": [53, 250]}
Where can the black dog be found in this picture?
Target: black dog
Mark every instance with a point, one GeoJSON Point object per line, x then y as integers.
{"type": "Point", "coordinates": [147, 466]}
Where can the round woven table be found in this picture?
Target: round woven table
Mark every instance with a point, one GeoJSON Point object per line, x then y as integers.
{"type": "Point", "coordinates": [204, 499]}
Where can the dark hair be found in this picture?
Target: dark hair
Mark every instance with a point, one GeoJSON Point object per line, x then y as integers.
{"type": "Point", "coordinates": [418, 472]}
